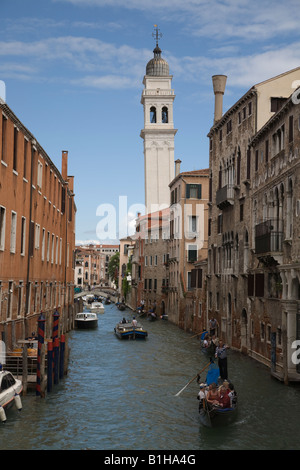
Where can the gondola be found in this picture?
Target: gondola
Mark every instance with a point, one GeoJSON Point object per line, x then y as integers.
{"type": "Point", "coordinates": [121, 306]}
{"type": "Point", "coordinates": [211, 416]}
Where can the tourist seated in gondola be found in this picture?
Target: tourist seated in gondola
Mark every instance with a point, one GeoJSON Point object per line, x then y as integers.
{"type": "Point", "coordinates": [124, 320]}
{"type": "Point", "coordinates": [224, 399]}
{"type": "Point", "coordinates": [213, 395]}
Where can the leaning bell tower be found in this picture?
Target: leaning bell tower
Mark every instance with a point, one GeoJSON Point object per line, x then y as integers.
{"type": "Point", "coordinates": [158, 133]}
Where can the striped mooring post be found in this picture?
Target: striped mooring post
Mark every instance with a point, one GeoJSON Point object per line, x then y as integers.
{"type": "Point", "coordinates": [41, 337]}
{"type": "Point", "coordinates": [55, 325]}
{"type": "Point", "coordinates": [55, 345]}
{"type": "Point", "coordinates": [62, 356]}
{"type": "Point", "coordinates": [50, 367]}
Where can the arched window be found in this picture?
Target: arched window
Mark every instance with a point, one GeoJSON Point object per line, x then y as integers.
{"type": "Point", "coordinates": [164, 115]}
{"type": "Point", "coordinates": [153, 114]}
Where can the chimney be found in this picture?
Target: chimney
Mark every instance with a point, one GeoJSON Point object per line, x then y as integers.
{"type": "Point", "coordinates": [219, 82]}
{"type": "Point", "coordinates": [64, 165]}
{"type": "Point", "coordinates": [177, 167]}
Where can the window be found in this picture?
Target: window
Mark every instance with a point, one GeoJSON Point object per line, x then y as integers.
{"type": "Point", "coordinates": [43, 244]}
{"type": "Point", "coordinates": [229, 126]}
{"type": "Point", "coordinates": [3, 143]}
{"type": "Point", "coordinates": [153, 115]}
{"type": "Point", "coordinates": [39, 174]}
{"type": "Point", "coordinates": [9, 299]}
{"type": "Point", "coordinates": [13, 231]}
{"type": "Point", "coordinates": [25, 157]}
{"type": "Point", "coordinates": [193, 191]}
{"type": "Point", "coordinates": [48, 246]}
{"type": "Point", "coordinates": [192, 253]}
{"type": "Point", "coordinates": [250, 108]}
{"type": "Point", "coordinates": [291, 129]}
{"type": "Point", "coordinates": [192, 225]}
{"type": "Point", "coordinates": [23, 235]}
{"type": "Point", "coordinates": [37, 236]}
{"type": "Point", "coordinates": [164, 115]}
{"type": "Point", "coordinates": [15, 154]}
{"type": "Point", "coordinates": [2, 227]}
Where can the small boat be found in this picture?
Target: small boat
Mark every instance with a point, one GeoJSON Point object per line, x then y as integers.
{"type": "Point", "coordinates": [107, 301]}
{"type": "Point", "coordinates": [210, 415]}
{"type": "Point", "coordinates": [129, 331]}
{"type": "Point", "coordinates": [152, 316]}
{"type": "Point", "coordinates": [121, 306]}
{"type": "Point", "coordinates": [96, 307]}
{"type": "Point", "coordinates": [10, 390]}
{"type": "Point", "coordinates": [85, 320]}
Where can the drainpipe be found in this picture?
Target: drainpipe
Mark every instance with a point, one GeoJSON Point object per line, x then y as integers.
{"type": "Point", "coordinates": [27, 304]}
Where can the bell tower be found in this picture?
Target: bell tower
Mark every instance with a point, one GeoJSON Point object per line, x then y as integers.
{"type": "Point", "coordinates": [158, 133]}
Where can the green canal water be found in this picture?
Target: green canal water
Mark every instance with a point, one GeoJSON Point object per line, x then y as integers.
{"type": "Point", "coordinates": [120, 395]}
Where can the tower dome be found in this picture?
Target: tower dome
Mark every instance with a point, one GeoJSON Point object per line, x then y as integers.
{"type": "Point", "coordinates": [157, 67]}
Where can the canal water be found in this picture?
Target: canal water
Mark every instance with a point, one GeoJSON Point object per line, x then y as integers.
{"type": "Point", "coordinates": [120, 395]}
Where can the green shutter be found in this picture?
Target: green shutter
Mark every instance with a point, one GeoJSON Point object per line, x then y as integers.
{"type": "Point", "coordinates": [199, 191]}
{"type": "Point", "coordinates": [187, 192]}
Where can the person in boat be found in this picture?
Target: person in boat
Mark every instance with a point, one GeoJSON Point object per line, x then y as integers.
{"type": "Point", "coordinates": [134, 322]}
{"type": "Point", "coordinates": [213, 395]}
{"type": "Point", "coordinates": [201, 396]}
{"type": "Point", "coordinates": [232, 395]}
{"type": "Point", "coordinates": [207, 341]}
{"type": "Point", "coordinates": [124, 320]}
{"type": "Point", "coordinates": [224, 399]}
{"type": "Point", "coordinates": [213, 324]}
{"type": "Point", "coordinates": [221, 355]}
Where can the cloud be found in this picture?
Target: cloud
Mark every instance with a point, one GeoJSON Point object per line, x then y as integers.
{"type": "Point", "coordinates": [250, 20]}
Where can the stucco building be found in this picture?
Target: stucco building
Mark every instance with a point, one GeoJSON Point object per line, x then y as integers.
{"type": "Point", "coordinates": [189, 193]}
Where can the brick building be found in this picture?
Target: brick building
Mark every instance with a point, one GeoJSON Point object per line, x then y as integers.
{"type": "Point", "coordinates": [37, 233]}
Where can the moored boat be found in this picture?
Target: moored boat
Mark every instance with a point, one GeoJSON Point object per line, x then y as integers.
{"type": "Point", "coordinates": [10, 390]}
{"type": "Point", "coordinates": [85, 320]}
{"type": "Point", "coordinates": [130, 331]}
{"type": "Point", "coordinates": [96, 307]}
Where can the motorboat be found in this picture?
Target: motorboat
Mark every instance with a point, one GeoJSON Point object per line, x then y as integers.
{"type": "Point", "coordinates": [96, 307]}
{"type": "Point", "coordinates": [10, 390]}
{"type": "Point", "coordinates": [130, 331]}
{"type": "Point", "coordinates": [85, 320]}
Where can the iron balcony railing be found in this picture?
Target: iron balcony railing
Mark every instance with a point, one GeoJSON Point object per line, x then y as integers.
{"type": "Point", "coordinates": [268, 237]}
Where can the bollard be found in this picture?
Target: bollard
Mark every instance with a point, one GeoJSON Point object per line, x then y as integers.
{"type": "Point", "coordinates": [56, 360]}
{"type": "Point", "coordinates": [50, 367]}
{"type": "Point", "coordinates": [62, 356]}
{"type": "Point", "coordinates": [41, 335]}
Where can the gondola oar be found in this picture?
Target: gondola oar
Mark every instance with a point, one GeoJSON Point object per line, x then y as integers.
{"type": "Point", "coordinates": [178, 393]}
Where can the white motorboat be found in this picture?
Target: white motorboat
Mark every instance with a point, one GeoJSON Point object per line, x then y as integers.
{"type": "Point", "coordinates": [85, 320]}
{"type": "Point", "coordinates": [96, 307]}
{"type": "Point", "coordinates": [10, 390]}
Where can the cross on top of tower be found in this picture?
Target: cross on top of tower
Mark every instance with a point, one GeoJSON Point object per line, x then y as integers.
{"type": "Point", "coordinates": [157, 35]}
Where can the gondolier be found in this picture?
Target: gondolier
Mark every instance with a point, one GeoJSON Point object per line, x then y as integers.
{"type": "Point", "coordinates": [221, 354]}
{"type": "Point", "coordinates": [212, 326]}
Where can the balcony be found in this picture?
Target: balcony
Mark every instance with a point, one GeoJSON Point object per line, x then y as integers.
{"type": "Point", "coordinates": [268, 237]}
{"type": "Point", "coordinates": [225, 196]}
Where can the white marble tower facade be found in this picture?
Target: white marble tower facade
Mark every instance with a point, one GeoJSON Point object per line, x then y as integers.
{"type": "Point", "coordinates": [158, 133]}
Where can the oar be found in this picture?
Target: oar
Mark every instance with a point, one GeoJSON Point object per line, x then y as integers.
{"type": "Point", "coordinates": [177, 394]}
{"type": "Point", "coordinates": [196, 335]}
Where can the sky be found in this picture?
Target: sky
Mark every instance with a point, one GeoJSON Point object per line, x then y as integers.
{"type": "Point", "coordinates": [73, 73]}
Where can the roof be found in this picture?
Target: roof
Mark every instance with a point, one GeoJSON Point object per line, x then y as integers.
{"type": "Point", "coordinates": [203, 172]}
